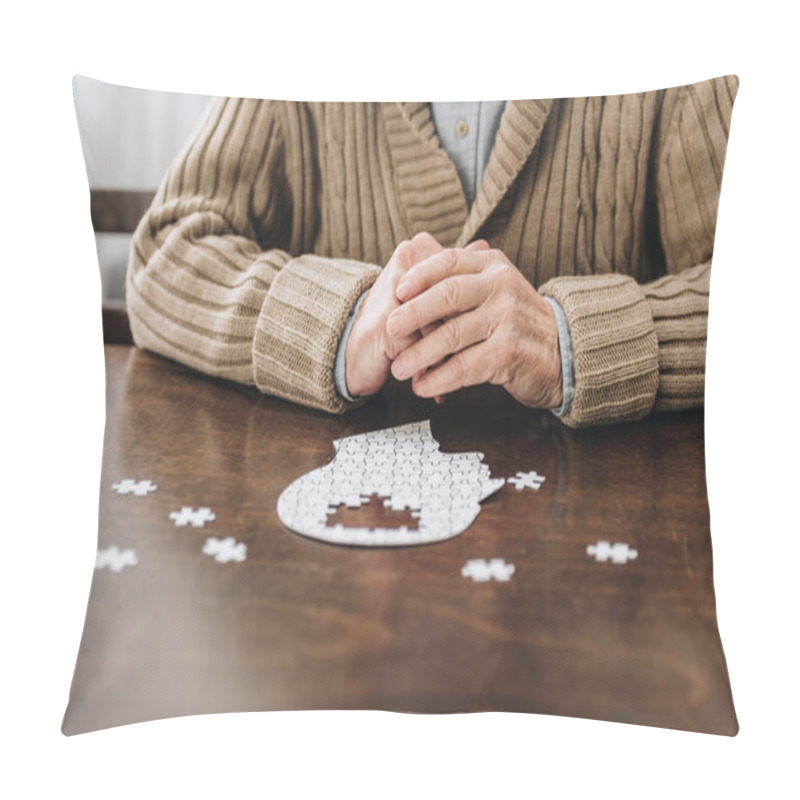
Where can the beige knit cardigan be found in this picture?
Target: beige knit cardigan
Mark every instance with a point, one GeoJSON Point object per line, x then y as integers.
{"type": "Point", "coordinates": [276, 216]}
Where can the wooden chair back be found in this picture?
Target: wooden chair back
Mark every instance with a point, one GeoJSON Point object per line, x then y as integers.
{"type": "Point", "coordinates": [117, 211]}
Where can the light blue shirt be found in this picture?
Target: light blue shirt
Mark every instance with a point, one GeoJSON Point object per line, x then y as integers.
{"type": "Point", "coordinates": [467, 132]}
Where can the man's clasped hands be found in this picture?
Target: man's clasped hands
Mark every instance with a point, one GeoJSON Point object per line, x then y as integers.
{"type": "Point", "coordinates": [446, 318]}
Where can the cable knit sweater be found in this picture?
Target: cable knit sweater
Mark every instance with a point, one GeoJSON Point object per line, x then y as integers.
{"type": "Point", "coordinates": [276, 216]}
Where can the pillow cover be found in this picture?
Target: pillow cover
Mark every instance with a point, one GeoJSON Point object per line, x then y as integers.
{"type": "Point", "coordinates": [572, 569]}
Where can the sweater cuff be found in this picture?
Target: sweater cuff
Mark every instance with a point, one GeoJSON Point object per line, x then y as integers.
{"type": "Point", "coordinates": [340, 363]}
{"type": "Point", "coordinates": [299, 327]}
{"type": "Point", "coordinates": [567, 359]}
{"type": "Point", "coordinates": [614, 345]}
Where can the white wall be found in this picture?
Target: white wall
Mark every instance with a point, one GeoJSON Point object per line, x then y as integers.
{"type": "Point", "coordinates": [129, 138]}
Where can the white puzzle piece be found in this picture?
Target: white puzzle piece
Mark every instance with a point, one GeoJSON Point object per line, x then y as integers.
{"type": "Point", "coordinates": [130, 486]}
{"type": "Point", "coordinates": [188, 515]}
{"type": "Point", "coordinates": [481, 570]}
{"type": "Point", "coordinates": [115, 559]}
{"type": "Point", "coordinates": [225, 550]}
{"type": "Point", "coordinates": [402, 465]}
{"type": "Point", "coordinates": [527, 480]}
{"type": "Point", "coordinates": [619, 552]}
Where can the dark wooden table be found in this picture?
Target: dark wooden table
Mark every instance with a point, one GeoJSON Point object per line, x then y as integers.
{"type": "Point", "coordinates": [305, 625]}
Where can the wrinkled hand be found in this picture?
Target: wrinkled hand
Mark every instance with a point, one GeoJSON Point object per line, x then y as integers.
{"type": "Point", "coordinates": [495, 328]}
{"type": "Point", "coordinates": [370, 350]}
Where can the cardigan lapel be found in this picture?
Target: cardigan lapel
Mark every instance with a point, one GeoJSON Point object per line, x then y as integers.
{"type": "Point", "coordinates": [428, 185]}
{"type": "Point", "coordinates": [430, 189]}
{"type": "Point", "coordinates": [520, 129]}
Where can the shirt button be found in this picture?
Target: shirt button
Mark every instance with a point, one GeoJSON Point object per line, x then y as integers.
{"type": "Point", "coordinates": [462, 129]}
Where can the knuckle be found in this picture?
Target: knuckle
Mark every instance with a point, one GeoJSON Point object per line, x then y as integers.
{"type": "Point", "coordinates": [424, 239]}
{"type": "Point", "coordinates": [503, 270]}
{"type": "Point", "coordinates": [451, 334]}
{"type": "Point", "coordinates": [451, 294]}
{"type": "Point", "coordinates": [502, 278]}
{"type": "Point", "coordinates": [458, 369]}
{"type": "Point", "coordinates": [497, 260]}
{"type": "Point", "coordinates": [410, 364]}
{"type": "Point", "coordinates": [492, 257]}
{"type": "Point", "coordinates": [404, 254]}
{"type": "Point", "coordinates": [449, 261]}
{"type": "Point", "coordinates": [411, 317]}
{"type": "Point", "coordinates": [499, 257]}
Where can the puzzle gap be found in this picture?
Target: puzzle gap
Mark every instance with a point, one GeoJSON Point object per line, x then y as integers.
{"type": "Point", "coordinates": [372, 514]}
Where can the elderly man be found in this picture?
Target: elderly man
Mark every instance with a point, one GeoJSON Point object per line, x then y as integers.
{"type": "Point", "coordinates": [312, 249]}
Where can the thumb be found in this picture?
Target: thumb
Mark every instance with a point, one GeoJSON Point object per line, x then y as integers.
{"type": "Point", "coordinates": [478, 244]}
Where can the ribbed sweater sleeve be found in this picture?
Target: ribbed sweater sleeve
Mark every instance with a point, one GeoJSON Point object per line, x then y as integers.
{"type": "Point", "coordinates": [640, 347]}
{"type": "Point", "coordinates": [217, 276]}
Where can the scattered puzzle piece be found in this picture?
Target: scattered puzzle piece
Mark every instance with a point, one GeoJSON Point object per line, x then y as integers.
{"type": "Point", "coordinates": [527, 480]}
{"type": "Point", "coordinates": [224, 550]}
{"type": "Point", "coordinates": [188, 515]}
{"type": "Point", "coordinates": [115, 559]}
{"type": "Point", "coordinates": [619, 553]}
{"type": "Point", "coordinates": [481, 570]}
{"type": "Point", "coordinates": [130, 486]}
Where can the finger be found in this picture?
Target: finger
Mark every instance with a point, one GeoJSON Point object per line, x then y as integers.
{"type": "Point", "coordinates": [426, 241]}
{"type": "Point", "coordinates": [452, 337]}
{"type": "Point", "coordinates": [468, 367]}
{"type": "Point", "coordinates": [424, 246]}
{"type": "Point", "coordinates": [426, 329]}
{"type": "Point", "coordinates": [438, 267]}
{"type": "Point", "coordinates": [408, 253]}
{"type": "Point", "coordinates": [478, 244]}
{"type": "Point", "coordinates": [446, 299]}
{"type": "Point", "coordinates": [393, 347]}
{"type": "Point", "coordinates": [439, 399]}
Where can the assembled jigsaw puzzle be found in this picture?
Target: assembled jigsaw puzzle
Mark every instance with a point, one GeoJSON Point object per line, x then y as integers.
{"type": "Point", "coordinates": [402, 465]}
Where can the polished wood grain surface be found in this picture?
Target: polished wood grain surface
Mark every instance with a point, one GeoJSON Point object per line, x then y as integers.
{"type": "Point", "coordinates": [305, 625]}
